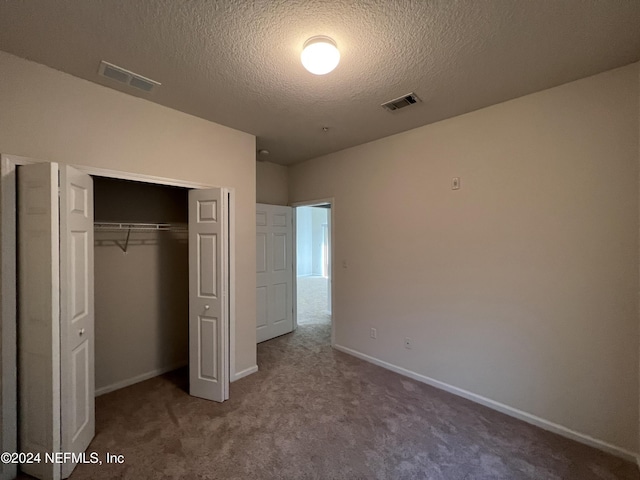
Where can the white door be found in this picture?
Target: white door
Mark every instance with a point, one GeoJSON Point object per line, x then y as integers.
{"type": "Point", "coordinates": [274, 269]}
{"type": "Point", "coordinates": [208, 294]}
{"type": "Point", "coordinates": [77, 340]}
{"type": "Point", "coordinates": [56, 345]}
{"type": "Point", "coordinates": [39, 316]}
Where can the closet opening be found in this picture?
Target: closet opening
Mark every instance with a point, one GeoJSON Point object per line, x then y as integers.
{"type": "Point", "coordinates": [48, 242]}
{"type": "Point", "coordinates": [141, 262]}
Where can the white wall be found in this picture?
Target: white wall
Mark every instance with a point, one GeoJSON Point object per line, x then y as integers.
{"type": "Point", "coordinates": [522, 286]}
{"type": "Point", "coordinates": [272, 183]}
{"type": "Point", "coordinates": [53, 116]}
{"type": "Point", "coordinates": [141, 305]}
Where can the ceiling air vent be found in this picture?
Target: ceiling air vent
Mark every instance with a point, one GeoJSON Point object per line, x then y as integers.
{"type": "Point", "coordinates": [121, 75]}
{"type": "Point", "coordinates": [401, 102]}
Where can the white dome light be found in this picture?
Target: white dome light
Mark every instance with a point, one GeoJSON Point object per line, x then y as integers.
{"type": "Point", "coordinates": [320, 55]}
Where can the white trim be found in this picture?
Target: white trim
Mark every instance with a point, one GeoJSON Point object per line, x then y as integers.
{"type": "Point", "coordinates": [226, 305]}
{"type": "Point", "coordinates": [18, 160]}
{"type": "Point", "coordinates": [294, 267]}
{"type": "Point", "coordinates": [8, 319]}
{"type": "Point", "coordinates": [140, 177]}
{"type": "Point", "coordinates": [314, 203]}
{"type": "Point", "coordinates": [500, 407]}
{"type": "Point", "coordinates": [332, 233]}
{"type": "Point", "coordinates": [120, 174]}
{"type": "Point", "coordinates": [232, 281]}
{"type": "Point", "coordinates": [139, 378]}
{"type": "Point", "coordinates": [244, 373]}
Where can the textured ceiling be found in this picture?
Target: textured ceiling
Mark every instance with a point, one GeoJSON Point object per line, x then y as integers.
{"type": "Point", "coordinates": [237, 62]}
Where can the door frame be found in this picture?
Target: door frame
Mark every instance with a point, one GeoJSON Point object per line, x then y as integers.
{"type": "Point", "coordinates": [8, 285]}
{"type": "Point", "coordinates": [332, 235]}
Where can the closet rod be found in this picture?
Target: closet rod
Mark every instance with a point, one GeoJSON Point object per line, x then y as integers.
{"type": "Point", "coordinates": [171, 227]}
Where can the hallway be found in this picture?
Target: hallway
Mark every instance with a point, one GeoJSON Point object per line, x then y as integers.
{"type": "Point", "coordinates": [313, 300]}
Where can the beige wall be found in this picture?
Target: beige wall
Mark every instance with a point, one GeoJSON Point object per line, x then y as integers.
{"type": "Point", "coordinates": [522, 286]}
{"type": "Point", "coordinates": [141, 296]}
{"type": "Point", "coordinates": [53, 116]}
{"type": "Point", "coordinates": [141, 306]}
{"type": "Point", "coordinates": [271, 183]}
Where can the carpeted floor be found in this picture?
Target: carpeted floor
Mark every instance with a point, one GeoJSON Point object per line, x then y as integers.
{"type": "Point", "coordinates": [315, 413]}
{"type": "Point", "coordinates": [313, 300]}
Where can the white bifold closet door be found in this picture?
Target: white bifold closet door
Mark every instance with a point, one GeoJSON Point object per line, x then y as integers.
{"type": "Point", "coordinates": [56, 317]}
{"type": "Point", "coordinates": [56, 309]}
{"type": "Point", "coordinates": [274, 270]}
{"type": "Point", "coordinates": [208, 294]}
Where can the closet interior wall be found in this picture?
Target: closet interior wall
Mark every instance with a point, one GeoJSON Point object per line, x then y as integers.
{"type": "Point", "coordinates": [141, 295]}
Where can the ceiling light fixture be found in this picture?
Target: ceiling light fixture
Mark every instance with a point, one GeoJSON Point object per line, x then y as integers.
{"type": "Point", "coordinates": [320, 55]}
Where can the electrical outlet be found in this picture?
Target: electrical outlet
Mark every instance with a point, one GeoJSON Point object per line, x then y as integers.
{"type": "Point", "coordinates": [407, 343]}
{"type": "Point", "coordinates": [455, 183]}
{"type": "Point", "coordinates": [373, 333]}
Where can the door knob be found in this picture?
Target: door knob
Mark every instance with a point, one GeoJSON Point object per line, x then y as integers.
{"type": "Point", "coordinates": [206, 307]}
{"type": "Point", "coordinates": [81, 332]}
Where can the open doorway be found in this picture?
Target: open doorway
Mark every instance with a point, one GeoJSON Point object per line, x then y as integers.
{"type": "Point", "coordinates": [313, 264]}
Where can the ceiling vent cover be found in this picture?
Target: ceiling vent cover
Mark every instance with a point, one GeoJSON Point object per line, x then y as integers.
{"type": "Point", "coordinates": [127, 77]}
{"type": "Point", "coordinates": [401, 102]}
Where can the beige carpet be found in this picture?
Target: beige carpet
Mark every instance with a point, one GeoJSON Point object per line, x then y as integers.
{"type": "Point", "coordinates": [313, 300]}
{"type": "Point", "coordinates": [315, 413]}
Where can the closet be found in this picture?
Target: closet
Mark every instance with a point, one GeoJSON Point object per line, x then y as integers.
{"type": "Point", "coordinates": [141, 271]}
{"type": "Point", "coordinates": [117, 281]}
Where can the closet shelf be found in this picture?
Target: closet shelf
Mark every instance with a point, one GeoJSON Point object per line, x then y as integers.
{"type": "Point", "coordinates": [139, 227]}
{"type": "Point", "coordinates": [142, 227]}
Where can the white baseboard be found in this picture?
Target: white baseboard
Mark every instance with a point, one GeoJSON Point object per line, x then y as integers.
{"type": "Point", "coordinates": [244, 373]}
{"type": "Point", "coordinates": [138, 378]}
{"type": "Point", "coordinates": [500, 407]}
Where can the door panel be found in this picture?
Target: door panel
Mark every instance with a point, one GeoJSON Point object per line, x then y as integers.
{"type": "Point", "coordinates": [77, 339]}
{"type": "Point", "coordinates": [207, 331]}
{"type": "Point", "coordinates": [261, 252]}
{"type": "Point", "coordinates": [274, 270]}
{"type": "Point", "coordinates": [208, 302]}
{"type": "Point", "coordinates": [207, 265]}
{"type": "Point", "coordinates": [280, 302]}
{"type": "Point", "coordinates": [281, 257]}
{"type": "Point", "coordinates": [39, 316]}
{"type": "Point", "coordinates": [261, 306]}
